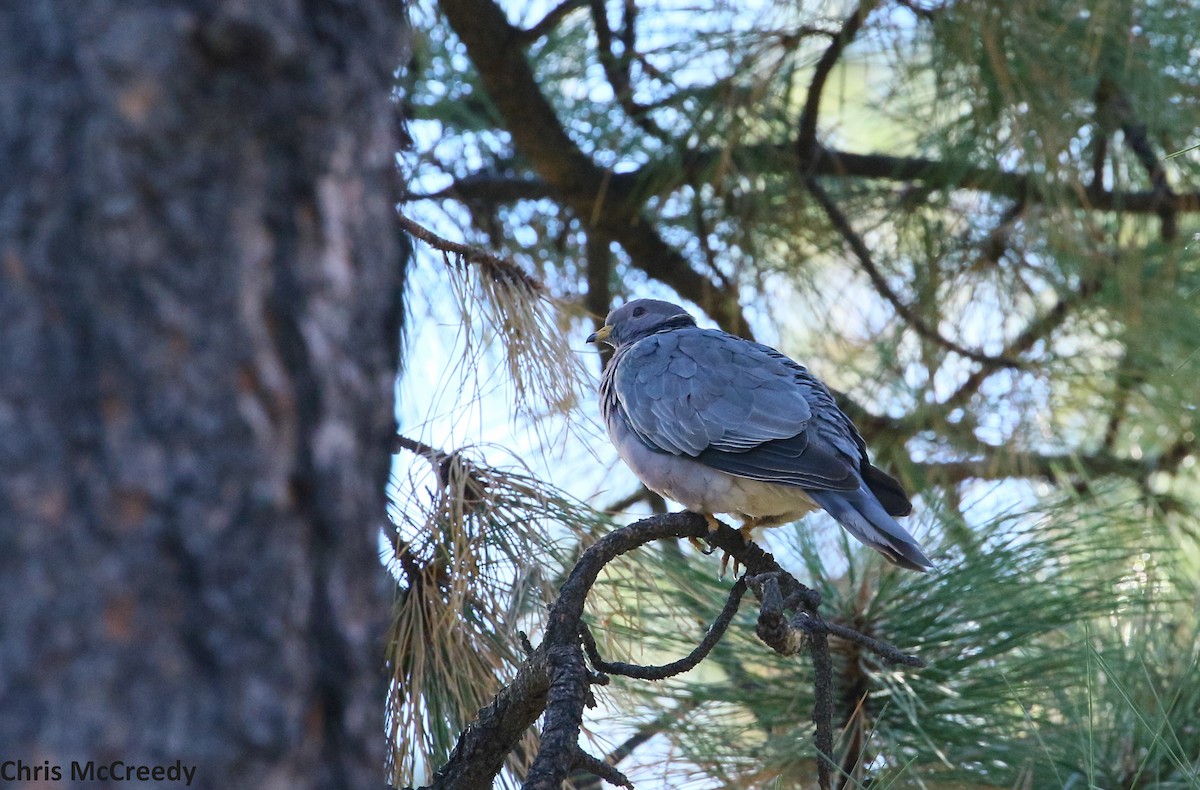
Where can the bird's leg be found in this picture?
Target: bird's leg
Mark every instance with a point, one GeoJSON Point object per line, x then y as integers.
{"type": "Point", "coordinates": [713, 525]}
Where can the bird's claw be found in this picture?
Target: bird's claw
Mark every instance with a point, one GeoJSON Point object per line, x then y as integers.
{"type": "Point", "coordinates": [737, 566]}
{"type": "Point", "coordinates": [710, 537]}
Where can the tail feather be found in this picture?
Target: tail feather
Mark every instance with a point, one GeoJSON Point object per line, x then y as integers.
{"type": "Point", "coordinates": [887, 490]}
{"type": "Point", "coordinates": [866, 519]}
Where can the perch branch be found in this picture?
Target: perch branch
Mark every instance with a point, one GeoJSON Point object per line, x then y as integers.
{"type": "Point", "coordinates": [554, 679]}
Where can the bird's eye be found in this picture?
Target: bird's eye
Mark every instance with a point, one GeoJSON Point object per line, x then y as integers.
{"type": "Point", "coordinates": [638, 312]}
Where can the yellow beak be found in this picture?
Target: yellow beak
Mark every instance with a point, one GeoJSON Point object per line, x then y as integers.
{"type": "Point", "coordinates": [600, 334]}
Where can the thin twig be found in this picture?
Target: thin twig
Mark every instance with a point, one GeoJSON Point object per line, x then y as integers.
{"type": "Point", "coordinates": [1114, 104]}
{"type": "Point", "coordinates": [602, 769]}
{"type": "Point", "coordinates": [910, 316]}
{"type": "Point", "coordinates": [641, 672]}
{"type": "Point", "coordinates": [616, 69]}
{"type": "Point", "coordinates": [887, 652]}
{"type": "Point", "coordinates": [501, 267]}
{"type": "Point", "coordinates": [1037, 329]}
{"type": "Point", "coordinates": [1126, 381]}
{"type": "Point", "coordinates": [401, 442]}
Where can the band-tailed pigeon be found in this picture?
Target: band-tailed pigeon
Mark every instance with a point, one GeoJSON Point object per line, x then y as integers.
{"type": "Point", "coordinates": [721, 424]}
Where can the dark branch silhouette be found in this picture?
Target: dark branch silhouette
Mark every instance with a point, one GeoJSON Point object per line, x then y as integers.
{"type": "Point", "coordinates": [494, 45]}
{"type": "Point", "coordinates": [806, 140]}
{"type": "Point", "coordinates": [911, 317]}
{"type": "Point", "coordinates": [496, 266]}
{"type": "Point", "coordinates": [661, 177]}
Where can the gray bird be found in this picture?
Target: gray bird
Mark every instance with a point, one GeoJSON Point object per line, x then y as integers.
{"type": "Point", "coordinates": [721, 424]}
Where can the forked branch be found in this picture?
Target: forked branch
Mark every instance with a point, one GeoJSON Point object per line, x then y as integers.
{"type": "Point", "coordinates": [555, 681]}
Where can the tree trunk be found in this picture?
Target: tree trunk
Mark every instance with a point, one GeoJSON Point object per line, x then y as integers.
{"type": "Point", "coordinates": [200, 305]}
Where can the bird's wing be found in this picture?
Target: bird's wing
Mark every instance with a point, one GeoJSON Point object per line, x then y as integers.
{"type": "Point", "coordinates": [736, 406]}
{"type": "Point", "coordinates": [838, 430]}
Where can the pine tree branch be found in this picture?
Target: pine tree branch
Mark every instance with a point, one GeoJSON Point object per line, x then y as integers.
{"type": "Point", "coordinates": [551, 20]}
{"type": "Point", "coordinates": [663, 176]}
{"type": "Point", "coordinates": [640, 494]}
{"type": "Point", "coordinates": [1003, 464]}
{"type": "Point", "coordinates": [501, 268]}
{"type": "Point", "coordinates": [598, 298]}
{"type": "Point", "coordinates": [910, 316]}
{"type": "Point", "coordinates": [559, 745]}
{"type": "Point", "coordinates": [554, 680]}
{"type": "Point", "coordinates": [685, 664]}
{"type": "Point", "coordinates": [806, 139]}
{"type": "Point", "coordinates": [1037, 329]}
{"type": "Point", "coordinates": [616, 69]}
{"type": "Point", "coordinates": [1114, 108]}
{"type": "Point", "coordinates": [627, 747]}
{"type": "Point", "coordinates": [600, 769]}
{"type": "Point", "coordinates": [494, 46]}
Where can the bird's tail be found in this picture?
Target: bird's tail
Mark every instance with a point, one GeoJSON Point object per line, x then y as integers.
{"type": "Point", "coordinates": [865, 518]}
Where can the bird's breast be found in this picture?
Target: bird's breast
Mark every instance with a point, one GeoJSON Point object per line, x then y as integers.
{"type": "Point", "coordinates": [701, 488]}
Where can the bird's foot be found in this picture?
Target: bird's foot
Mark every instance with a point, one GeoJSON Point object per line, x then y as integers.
{"type": "Point", "coordinates": [725, 560]}
{"type": "Point", "coordinates": [711, 540]}
{"type": "Point", "coordinates": [711, 537]}
{"type": "Point", "coordinates": [746, 529]}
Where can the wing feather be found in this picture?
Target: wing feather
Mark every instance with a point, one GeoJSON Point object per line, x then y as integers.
{"type": "Point", "coordinates": [736, 406]}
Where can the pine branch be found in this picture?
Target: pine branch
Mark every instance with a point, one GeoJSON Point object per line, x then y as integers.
{"type": "Point", "coordinates": [685, 664]}
{"type": "Point", "coordinates": [554, 680]}
{"type": "Point", "coordinates": [806, 139]}
{"type": "Point", "coordinates": [616, 69]}
{"type": "Point", "coordinates": [1114, 108]}
{"type": "Point", "coordinates": [664, 176]}
{"type": "Point", "coordinates": [1003, 464]}
{"type": "Point", "coordinates": [553, 17]}
{"type": "Point", "coordinates": [601, 769]}
{"type": "Point", "coordinates": [627, 747]}
{"type": "Point", "coordinates": [1037, 329]}
{"type": "Point", "coordinates": [494, 46]}
{"type": "Point", "coordinates": [598, 298]}
{"type": "Point", "coordinates": [910, 316]}
{"type": "Point", "coordinates": [500, 268]}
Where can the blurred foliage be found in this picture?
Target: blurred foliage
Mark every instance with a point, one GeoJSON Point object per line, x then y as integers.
{"type": "Point", "coordinates": [1022, 346]}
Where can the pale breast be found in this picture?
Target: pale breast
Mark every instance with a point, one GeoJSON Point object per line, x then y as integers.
{"type": "Point", "coordinates": [702, 489]}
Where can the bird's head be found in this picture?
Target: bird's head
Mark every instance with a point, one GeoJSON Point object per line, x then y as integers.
{"type": "Point", "coordinates": [637, 319]}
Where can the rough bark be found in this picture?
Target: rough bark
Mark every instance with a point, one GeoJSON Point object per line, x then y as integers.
{"type": "Point", "coordinates": [200, 288]}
